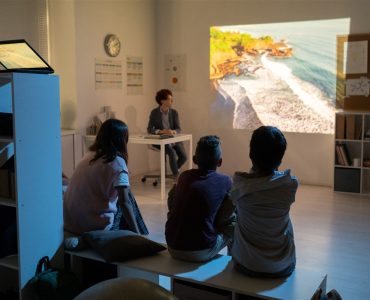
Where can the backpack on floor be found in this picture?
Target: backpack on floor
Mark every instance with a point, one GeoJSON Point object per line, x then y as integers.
{"type": "Point", "coordinates": [51, 283]}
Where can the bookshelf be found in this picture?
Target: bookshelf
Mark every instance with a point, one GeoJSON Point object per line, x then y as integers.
{"type": "Point", "coordinates": [352, 152]}
{"type": "Point", "coordinates": [30, 175]}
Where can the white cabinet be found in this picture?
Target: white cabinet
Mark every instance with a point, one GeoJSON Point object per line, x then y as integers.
{"type": "Point", "coordinates": [71, 150]}
{"type": "Point", "coordinates": [30, 110]}
{"type": "Point", "coordinates": [352, 152]}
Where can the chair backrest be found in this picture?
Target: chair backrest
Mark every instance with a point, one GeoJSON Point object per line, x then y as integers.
{"type": "Point", "coordinates": [126, 289]}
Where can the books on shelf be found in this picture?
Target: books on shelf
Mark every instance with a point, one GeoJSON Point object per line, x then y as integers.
{"type": "Point", "coordinates": [358, 131]}
{"type": "Point", "coordinates": [340, 126]}
{"type": "Point", "coordinates": [366, 163]}
{"type": "Point", "coordinates": [342, 154]}
{"type": "Point", "coordinates": [350, 127]}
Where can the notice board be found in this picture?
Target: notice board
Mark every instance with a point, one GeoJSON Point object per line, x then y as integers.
{"type": "Point", "coordinates": [353, 72]}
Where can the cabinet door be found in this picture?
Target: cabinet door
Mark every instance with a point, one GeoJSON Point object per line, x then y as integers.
{"type": "Point", "coordinates": [68, 154]}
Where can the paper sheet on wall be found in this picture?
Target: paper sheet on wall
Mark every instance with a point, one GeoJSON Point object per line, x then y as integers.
{"type": "Point", "coordinates": [134, 75]}
{"type": "Point", "coordinates": [108, 74]}
{"type": "Point", "coordinates": [355, 57]}
{"type": "Point", "coordinates": [358, 87]}
{"type": "Point", "coordinates": [175, 72]}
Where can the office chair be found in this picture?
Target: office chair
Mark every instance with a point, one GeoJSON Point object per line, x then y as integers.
{"type": "Point", "coordinates": [156, 177]}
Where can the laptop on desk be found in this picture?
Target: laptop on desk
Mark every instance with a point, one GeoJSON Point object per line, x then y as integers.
{"type": "Point", "coordinates": [158, 136]}
{"type": "Point", "coordinates": [19, 56]}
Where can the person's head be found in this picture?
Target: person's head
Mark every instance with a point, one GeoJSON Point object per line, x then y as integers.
{"type": "Point", "coordinates": [164, 98]}
{"type": "Point", "coordinates": [267, 148]}
{"type": "Point", "coordinates": [208, 153]}
{"type": "Point", "coordinates": [111, 141]}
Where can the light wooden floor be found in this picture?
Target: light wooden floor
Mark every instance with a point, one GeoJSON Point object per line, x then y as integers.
{"type": "Point", "coordinates": [332, 233]}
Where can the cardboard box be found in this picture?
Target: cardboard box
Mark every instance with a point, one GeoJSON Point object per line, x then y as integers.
{"type": "Point", "coordinates": [190, 291]}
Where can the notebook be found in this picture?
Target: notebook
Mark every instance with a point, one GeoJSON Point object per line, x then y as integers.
{"type": "Point", "coordinates": [19, 56]}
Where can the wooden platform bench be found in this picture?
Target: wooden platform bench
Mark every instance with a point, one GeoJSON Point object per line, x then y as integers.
{"type": "Point", "coordinates": [216, 279]}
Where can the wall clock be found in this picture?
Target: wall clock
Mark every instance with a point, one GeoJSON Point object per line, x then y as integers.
{"type": "Point", "coordinates": [112, 45]}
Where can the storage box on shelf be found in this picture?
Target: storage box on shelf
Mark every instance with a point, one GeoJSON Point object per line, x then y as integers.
{"type": "Point", "coordinates": [352, 152]}
{"type": "Point", "coordinates": [30, 173]}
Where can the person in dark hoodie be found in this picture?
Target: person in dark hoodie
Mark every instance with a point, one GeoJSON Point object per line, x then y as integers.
{"type": "Point", "coordinates": [263, 244]}
{"type": "Point", "coordinates": [201, 218]}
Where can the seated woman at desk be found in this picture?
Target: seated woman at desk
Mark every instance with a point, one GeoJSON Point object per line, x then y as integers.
{"type": "Point", "coordinates": [98, 195]}
{"type": "Point", "coordinates": [165, 120]}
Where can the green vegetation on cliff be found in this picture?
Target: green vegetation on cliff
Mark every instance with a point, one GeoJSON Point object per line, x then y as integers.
{"type": "Point", "coordinates": [225, 41]}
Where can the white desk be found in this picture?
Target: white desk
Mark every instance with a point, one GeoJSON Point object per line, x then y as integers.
{"type": "Point", "coordinates": [140, 139]}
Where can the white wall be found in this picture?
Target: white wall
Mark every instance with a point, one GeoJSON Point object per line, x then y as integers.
{"type": "Point", "coordinates": [19, 20]}
{"type": "Point", "coordinates": [78, 31]}
{"type": "Point", "coordinates": [183, 28]}
{"type": "Point", "coordinates": [152, 28]}
{"type": "Point", "coordinates": [63, 57]}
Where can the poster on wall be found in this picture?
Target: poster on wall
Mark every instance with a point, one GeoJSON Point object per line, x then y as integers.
{"type": "Point", "coordinates": [355, 57]}
{"type": "Point", "coordinates": [175, 72]}
{"type": "Point", "coordinates": [108, 74]}
{"type": "Point", "coordinates": [134, 75]}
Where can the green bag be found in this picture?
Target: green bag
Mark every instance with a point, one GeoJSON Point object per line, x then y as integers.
{"type": "Point", "coordinates": [51, 284]}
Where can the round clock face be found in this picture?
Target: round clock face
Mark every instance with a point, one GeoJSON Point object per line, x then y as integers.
{"type": "Point", "coordinates": [112, 45]}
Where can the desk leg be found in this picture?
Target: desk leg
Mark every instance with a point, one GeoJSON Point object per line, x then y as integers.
{"type": "Point", "coordinates": [163, 173]}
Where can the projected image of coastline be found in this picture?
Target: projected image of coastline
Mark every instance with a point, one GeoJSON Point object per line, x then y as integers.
{"type": "Point", "coordinates": [281, 74]}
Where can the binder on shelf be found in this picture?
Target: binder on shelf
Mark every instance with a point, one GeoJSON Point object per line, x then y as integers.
{"type": "Point", "coordinates": [340, 126]}
{"type": "Point", "coordinates": [345, 154]}
{"type": "Point", "coordinates": [358, 131]}
{"type": "Point", "coordinates": [340, 159]}
{"type": "Point", "coordinates": [350, 127]}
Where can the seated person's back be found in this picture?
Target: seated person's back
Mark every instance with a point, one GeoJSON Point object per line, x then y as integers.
{"type": "Point", "coordinates": [263, 243]}
{"type": "Point", "coordinates": [199, 221]}
{"type": "Point", "coordinates": [98, 196]}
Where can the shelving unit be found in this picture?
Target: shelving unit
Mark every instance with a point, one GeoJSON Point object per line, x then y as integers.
{"type": "Point", "coordinates": [30, 134]}
{"type": "Point", "coordinates": [352, 152]}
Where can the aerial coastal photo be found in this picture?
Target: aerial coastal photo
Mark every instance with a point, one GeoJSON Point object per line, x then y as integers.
{"type": "Point", "coordinates": [281, 74]}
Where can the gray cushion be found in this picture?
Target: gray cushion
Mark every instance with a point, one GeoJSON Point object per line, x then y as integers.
{"type": "Point", "coordinates": [121, 245]}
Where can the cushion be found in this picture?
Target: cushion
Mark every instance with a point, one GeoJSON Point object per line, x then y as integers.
{"type": "Point", "coordinates": [121, 245]}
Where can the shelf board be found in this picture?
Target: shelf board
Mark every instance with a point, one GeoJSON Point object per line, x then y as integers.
{"type": "Point", "coordinates": [6, 139]}
{"type": "Point", "coordinates": [10, 262]}
{"type": "Point", "coordinates": [7, 202]}
{"type": "Point", "coordinates": [349, 140]}
{"type": "Point", "coordinates": [348, 167]}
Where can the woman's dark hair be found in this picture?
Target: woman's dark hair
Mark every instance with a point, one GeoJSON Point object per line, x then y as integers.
{"type": "Point", "coordinates": [162, 95]}
{"type": "Point", "coordinates": [267, 148]}
{"type": "Point", "coordinates": [111, 141]}
{"type": "Point", "coordinates": [208, 152]}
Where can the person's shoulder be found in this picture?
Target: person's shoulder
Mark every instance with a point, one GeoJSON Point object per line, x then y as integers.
{"type": "Point", "coordinates": [287, 173]}
{"type": "Point", "coordinates": [174, 111]}
{"type": "Point", "coordinates": [239, 175]}
{"type": "Point", "coordinates": [223, 177]}
{"type": "Point", "coordinates": [119, 164]}
{"type": "Point", "coordinates": [155, 110]}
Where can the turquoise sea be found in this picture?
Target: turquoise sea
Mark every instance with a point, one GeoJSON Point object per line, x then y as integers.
{"type": "Point", "coordinates": [307, 78]}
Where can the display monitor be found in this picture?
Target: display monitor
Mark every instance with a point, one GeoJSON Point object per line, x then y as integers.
{"type": "Point", "coordinates": [19, 56]}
